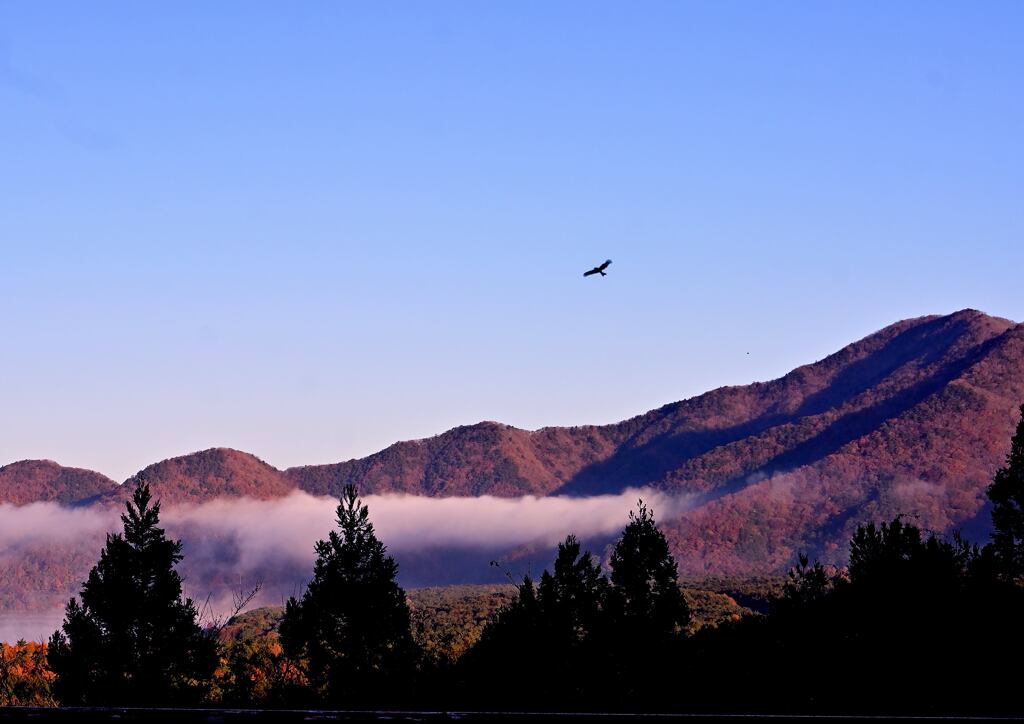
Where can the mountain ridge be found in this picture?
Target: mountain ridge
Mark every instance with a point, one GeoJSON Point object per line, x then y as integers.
{"type": "Point", "coordinates": [913, 418]}
{"type": "Point", "coordinates": [208, 474]}
{"type": "Point", "coordinates": [35, 481]}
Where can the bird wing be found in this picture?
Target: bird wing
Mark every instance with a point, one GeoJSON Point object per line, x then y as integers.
{"type": "Point", "coordinates": [595, 270]}
{"type": "Point", "coordinates": [605, 265]}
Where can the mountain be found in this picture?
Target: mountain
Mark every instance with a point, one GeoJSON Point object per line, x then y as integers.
{"type": "Point", "coordinates": [30, 481]}
{"type": "Point", "coordinates": [704, 443]}
{"type": "Point", "coordinates": [207, 475]}
{"type": "Point", "coordinates": [913, 420]}
{"type": "Point", "coordinates": [486, 458]}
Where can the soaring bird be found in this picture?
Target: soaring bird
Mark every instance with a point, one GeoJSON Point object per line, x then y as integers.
{"type": "Point", "coordinates": [599, 269]}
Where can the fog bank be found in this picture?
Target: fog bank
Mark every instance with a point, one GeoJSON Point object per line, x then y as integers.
{"type": "Point", "coordinates": [233, 543]}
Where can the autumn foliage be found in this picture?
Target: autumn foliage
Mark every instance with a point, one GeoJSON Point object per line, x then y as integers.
{"type": "Point", "coordinates": [25, 678]}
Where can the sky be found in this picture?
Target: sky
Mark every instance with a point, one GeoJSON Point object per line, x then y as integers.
{"type": "Point", "coordinates": [308, 230]}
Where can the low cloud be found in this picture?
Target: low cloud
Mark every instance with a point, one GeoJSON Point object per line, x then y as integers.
{"type": "Point", "coordinates": [231, 543]}
{"type": "Point", "coordinates": [293, 523]}
{"type": "Point", "coordinates": [270, 527]}
{"type": "Point", "coordinates": [22, 525]}
{"type": "Point", "coordinates": [916, 490]}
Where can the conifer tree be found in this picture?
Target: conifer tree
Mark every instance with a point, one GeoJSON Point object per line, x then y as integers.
{"type": "Point", "coordinates": [133, 639]}
{"type": "Point", "coordinates": [645, 615]}
{"type": "Point", "coordinates": [542, 646]}
{"type": "Point", "coordinates": [351, 630]}
{"type": "Point", "coordinates": [571, 599]}
{"type": "Point", "coordinates": [1007, 496]}
{"type": "Point", "coordinates": [881, 556]}
{"type": "Point", "coordinates": [646, 599]}
{"type": "Point", "coordinates": [508, 652]}
{"type": "Point", "coordinates": [806, 585]}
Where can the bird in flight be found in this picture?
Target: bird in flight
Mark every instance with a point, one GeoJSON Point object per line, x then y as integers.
{"type": "Point", "coordinates": [599, 269]}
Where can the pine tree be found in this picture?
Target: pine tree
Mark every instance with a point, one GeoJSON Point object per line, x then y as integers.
{"type": "Point", "coordinates": [806, 586]}
{"type": "Point", "coordinates": [646, 598]}
{"type": "Point", "coordinates": [571, 598]}
{"type": "Point", "coordinates": [1007, 496]}
{"type": "Point", "coordinates": [133, 639]}
{"type": "Point", "coordinates": [542, 646]}
{"type": "Point", "coordinates": [509, 651]}
{"type": "Point", "coordinates": [351, 630]}
{"type": "Point", "coordinates": [645, 615]}
{"type": "Point", "coordinates": [880, 556]}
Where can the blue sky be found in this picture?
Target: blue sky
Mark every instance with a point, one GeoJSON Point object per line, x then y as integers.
{"type": "Point", "coordinates": [307, 230]}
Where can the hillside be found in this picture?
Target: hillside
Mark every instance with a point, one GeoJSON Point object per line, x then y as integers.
{"type": "Point", "coordinates": [922, 440]}
{"type": "Point", "coordinates": [207, 475]}
{"type": "Point", "coordinates": [30, 481]}
{"type": "Point", "coordinates": [485, 458]}
{"type": "Point", "coordinates": [447, 620]}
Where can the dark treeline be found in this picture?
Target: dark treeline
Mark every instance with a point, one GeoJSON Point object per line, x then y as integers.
{"type": "Point", "coordinates": [916, 624]}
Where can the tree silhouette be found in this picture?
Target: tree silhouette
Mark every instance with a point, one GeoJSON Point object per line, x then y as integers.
{"type": "Point", "coordinates": [133, 639]}
{"type": "Point", "coordinates": [1007, 496]}
{"type": "Point", "coordinates": [560, 643]}
{"type": "Point", "coordinates": [351, 629]}
{"type": "Point", "coordinates": [501, 669]}
{"type": "Point", "coordinates": [881, 555]}
{"type": "Point", "coordinates": [645, 613]}
{"type": "Point", "coordinates": [806, 585]}
{"type": "Point", "coordinates": [646, 598]}
{"type": "Point", "coordinates": [902, 632]}
{"type": "Point", "coordinates": [542, 645]}
{"type": "Point", "coordinates": [571, 599]}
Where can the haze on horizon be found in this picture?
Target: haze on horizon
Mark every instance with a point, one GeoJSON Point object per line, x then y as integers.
{"type": "Point", "coordinates": [307, 232]}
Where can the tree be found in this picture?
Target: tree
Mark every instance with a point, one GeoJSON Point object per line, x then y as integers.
{"type": "Point", "coordinates": [1007, 496]}
{"type": "Point", "coordinates": [24, 678]}
{"type": "Point", "coordinates": [572, 598]}
{"type": "Point", "coordinates": [256, 673]}
{"type": "Point", "coordinates": [351, 631]}
{"type": "Point", "coordinates": [646, 596]}
{"type": "Point", "coordinates": [541, 646]}
{"type": "Point", "coordinates": [806, 585]}
{"type": "Point", "coordinates": [500, 670]}
{"type": "Point", "coordinates": [577, 641]}
{"type": "Point", "coordinates": [895, 634]}
{"type": "Point", "coordinates": [903, 582]}
{"type": "Point", "coordinates": [645, 616]}
{"type": "Point", "coordinates": [133, 639]}
{"type": "Point", "coordinates": [881, 556]}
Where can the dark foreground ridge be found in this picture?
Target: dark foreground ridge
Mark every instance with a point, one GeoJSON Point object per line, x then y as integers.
{"type": "Point", "coordinates": [159, 716]}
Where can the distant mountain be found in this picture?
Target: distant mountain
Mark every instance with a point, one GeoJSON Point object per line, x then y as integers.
{"type": "Point", "coordinates": [206, 475]}
{"type": "Point", "coordinates": [913, 419]}
{"type": "Point", "coordinates": [30, 481]}
{"type": "Point", "coordinates": [677, 446]}
{"type": "Point", "coordinates": [486, 458]}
